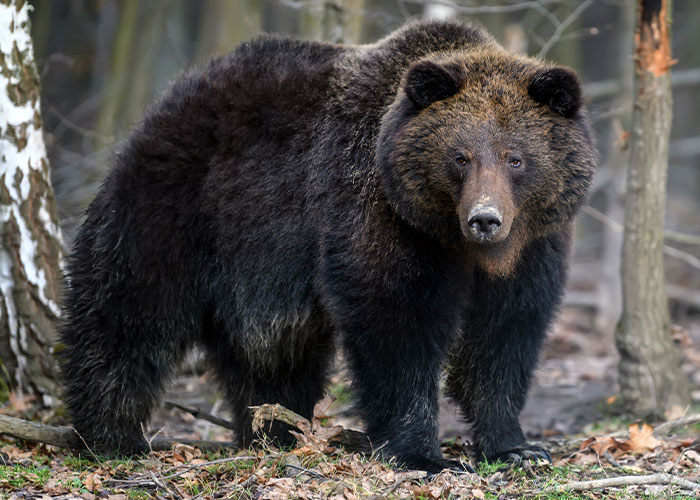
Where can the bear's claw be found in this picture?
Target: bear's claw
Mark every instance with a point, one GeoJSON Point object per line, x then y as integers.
{"type": "Point", "coordinates": [516, 455]}
{"type": "Point", "coordinates": [433, 467]}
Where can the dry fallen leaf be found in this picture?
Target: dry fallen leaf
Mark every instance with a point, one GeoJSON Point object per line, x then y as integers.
{"type": "Point", "coordinates": [642, 439]}
{"type": "Point", "coordinates": [177, 458]}
{"type": "Point", "coordinates": [421, 491]}
{"type": "Point", "coordinates": [602, 444]}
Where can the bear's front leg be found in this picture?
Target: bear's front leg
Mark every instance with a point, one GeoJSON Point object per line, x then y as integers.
{"type": "Point", "coordinates": [397, 312]}
{"type": "Point", "coordinates": [490, 368]}
{"type": "Point", "coordinates": [395, 379]}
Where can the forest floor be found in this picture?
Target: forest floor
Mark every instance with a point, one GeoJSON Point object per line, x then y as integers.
{"type": "Point", "coordinates": [570, 410]}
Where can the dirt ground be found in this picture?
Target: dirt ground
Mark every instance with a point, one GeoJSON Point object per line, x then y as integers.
{"type": "Point", "coordinates": [575, 378]}
{"type": "Point", "coordinates": [568, 406]}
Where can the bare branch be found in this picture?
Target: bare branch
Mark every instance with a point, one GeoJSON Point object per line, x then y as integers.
{"type": "Point", "coordinates": [688, 296]}
{"type": "Point", "coordinates": [689, 146]}
{"type": "Point", "coordinates": [691, 239]}
{"type": "Point", "coordinates": [488, 9]}
{"type": "Point", "coordinates": [611, 482]}
{"type": "Point", "coordinates": [198, 413]}
{"type": "Point", "coordinates": [67, 437]}
{"type": "Point", "coordinates": [689, 259]}
{"type": "Point", "coordinates": [351, 440]}
{"type": "Point", "coordinates": [607, 88]}
{"type": "Point", "coordinates": [677, 423]}
{"type": "Point", "coordinates": [405, 477]}
{"type": "Point", "coordinates": [562, 27]}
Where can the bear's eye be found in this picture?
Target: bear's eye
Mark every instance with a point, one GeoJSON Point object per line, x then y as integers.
{"type": "Point", "coordinates": [461, 160]}
{"type": "Point", "coordinates": [516, 162]}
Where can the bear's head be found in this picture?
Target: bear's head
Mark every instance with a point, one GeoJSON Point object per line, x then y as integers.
{"type": "Point", "coordinates": [486, 151]}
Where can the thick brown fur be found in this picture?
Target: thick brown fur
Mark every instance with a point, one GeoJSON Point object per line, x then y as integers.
{"type": "Point", "coordinates": [409, 201]}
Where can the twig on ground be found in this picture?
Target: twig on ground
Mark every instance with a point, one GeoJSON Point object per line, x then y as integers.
{"type": "Point", "coordinates": [682, 453]}
{"type": "Point", "coordinates": [303, 470]}
{"type": "Point", "coordinates": [187, 468]}
{"type": "Point", "coordinates": [198, 413]}
{"type": "Point", "coordinates": [609, 458]}
{"type": "Point", "coordinates": [665, 427]}
{"type": "Point", "coordinates": [610, 482]}
{"type": "Point", "coordinates": [410, 476]}
{"type": "Point", "coordinates": [160, 484]}
{"type": "Point", "coordinates": [253, 478]}
{"type": "Point", "coordinates": [677, 423]}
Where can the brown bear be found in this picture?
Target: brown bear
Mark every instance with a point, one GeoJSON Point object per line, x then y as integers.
{"type": "Point", "coordinates": [409, 201]}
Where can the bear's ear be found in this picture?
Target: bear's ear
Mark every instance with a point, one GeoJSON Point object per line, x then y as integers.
{"type": "Point", "coordinates": [559, 89]}
{"type": "Point", "coordinates": [428, 82]}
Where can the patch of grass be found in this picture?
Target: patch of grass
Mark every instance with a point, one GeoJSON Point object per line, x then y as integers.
{"type": "Point", "coordinates": [138, 494]}
{"type": "Point", "coordinates": [20, 476]}
{"type": "Point", "coordinates": [73, 484]}
{"type": "Point", "coordinates": [563, 472]}
{"type": "Point", "coordinates": [79, 463]}
{"type": "Point", "coordinates": [234, 466]}
{"type": "Point", "coordinates": [563, 496]}
{"type": "Point", "coordinates": [487, 468]}
{"type": "Point", "coordinates": [192, 487]}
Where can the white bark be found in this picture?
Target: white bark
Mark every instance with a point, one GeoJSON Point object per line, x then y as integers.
{"type": "Point", "coordinates": [30, 249]}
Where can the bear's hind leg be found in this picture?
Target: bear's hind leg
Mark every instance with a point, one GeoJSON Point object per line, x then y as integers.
{"type": "Point", "coordinates": [114, 371]}
{"type": "Point", "coordinates": [297, 382]}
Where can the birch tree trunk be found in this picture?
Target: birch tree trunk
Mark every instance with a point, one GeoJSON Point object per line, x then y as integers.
{"type": "Point", "coordinates": [650, 377]}
{"type": "Point", "coordinates": [30, 250]}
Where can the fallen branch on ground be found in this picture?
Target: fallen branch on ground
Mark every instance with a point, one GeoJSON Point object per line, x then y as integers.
{"type": "Point", "coordinates": [409, 476]}
{"type": "Point", "coordinates": [66, 437]}
{"type": "Point", "coordinates": [664, 428]}
{"type": "Point", "coordinates": [351, 440]}
{"type": "Point", "coordinates": [672, 425]}
{"type": "Point", "coordinates": [611, 482]}
{"type": "Point", "coordinates": [201, 414]}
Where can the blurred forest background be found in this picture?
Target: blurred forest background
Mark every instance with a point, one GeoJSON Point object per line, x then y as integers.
{"type": "Point", "coordinates": [101, 63]}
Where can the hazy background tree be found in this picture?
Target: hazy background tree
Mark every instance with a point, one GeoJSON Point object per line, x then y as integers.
{"type": "Point", "coordinates": [650, 377]}
{"type": "Point", "coordinates": [30, 250]}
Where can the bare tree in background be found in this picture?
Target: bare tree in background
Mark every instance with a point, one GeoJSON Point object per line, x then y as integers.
{"type": "Point", "coordinates": [31, 243]}
{"type": "Point", "coordinates": [338, 21]}
{"type": "Point", "coordinates": [650, 377]}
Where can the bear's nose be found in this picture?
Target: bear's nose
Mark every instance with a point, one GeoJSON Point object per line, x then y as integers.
{"type": "Point", "coordinates": [485, 222]}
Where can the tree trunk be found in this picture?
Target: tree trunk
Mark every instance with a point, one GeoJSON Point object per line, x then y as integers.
{"type": "Point", "coordinates": [31, 243]}
{"type": "Point", "coordinates": [650, 377]}
{"type": "Point", "coordinates": [337, 21]}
